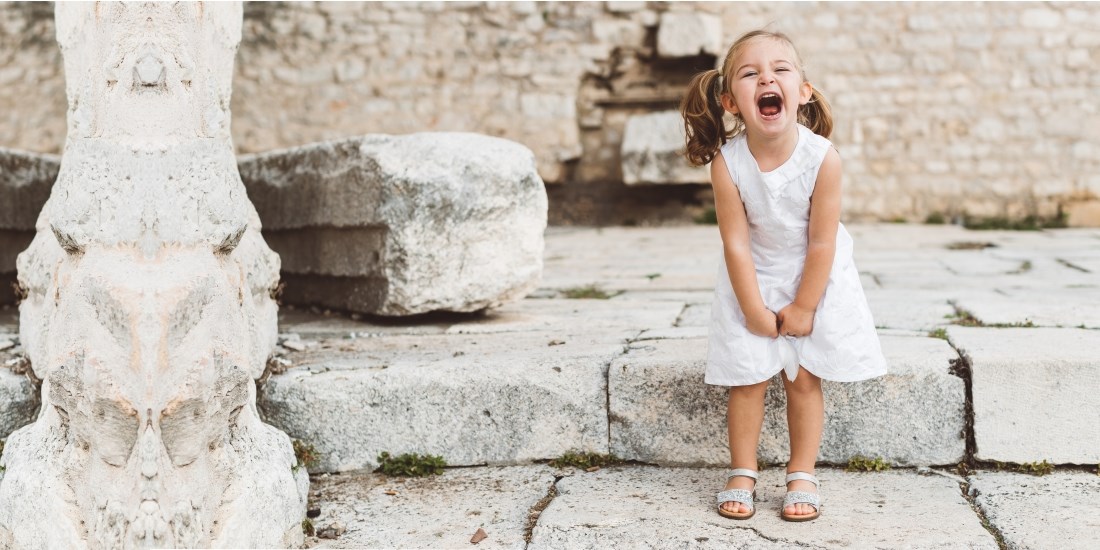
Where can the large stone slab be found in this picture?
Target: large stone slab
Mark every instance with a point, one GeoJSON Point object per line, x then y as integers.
{"type": "Point", "coordinates": [435, 512]}
{"type": "Point", "coordinates": [25, 182]}
{"type": "Point", "coordinates": [400, 225]}
{"type": "Point", "coordinates": [662, 412]}
{"type": "Point", "coordinates": [645, 507]}
{"type": "Point", "coordinates": [474, 399]}
{"type": "Point", "coordinates": [652, 151]}
{"type": "Point", "coordinates": [1040, 512]}
{"type": "Point", "coordinates": [1034, 393]}
{"type": "Point", "coordinates": [18, 398]}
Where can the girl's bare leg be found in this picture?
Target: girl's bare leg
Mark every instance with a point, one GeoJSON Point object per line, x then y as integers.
{"type": "Point", "coordinates": [744, 416]}
{"type": "Point", "coordinates": [805, 420]}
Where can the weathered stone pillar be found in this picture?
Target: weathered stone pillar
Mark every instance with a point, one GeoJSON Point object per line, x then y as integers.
{"type": "Point", "coordinates": [149, 312]}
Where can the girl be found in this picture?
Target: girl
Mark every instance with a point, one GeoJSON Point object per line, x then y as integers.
{"type": "Point", "coordinates": [788, 296]}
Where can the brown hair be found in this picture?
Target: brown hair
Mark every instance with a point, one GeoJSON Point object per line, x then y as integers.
{"type": "Point", "coordinates": [702, 109]}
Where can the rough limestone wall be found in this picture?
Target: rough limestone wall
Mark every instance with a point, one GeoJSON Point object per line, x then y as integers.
{"type": "Point", "coordinates": [32, 84]}
{"type": "Point", "coordinates": [989, 109]}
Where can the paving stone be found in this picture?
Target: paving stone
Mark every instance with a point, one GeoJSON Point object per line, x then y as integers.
{"type": "Point", "coordinates": [563, 317]}
{"type": "Point", "coordinates": [647, 507]}
{"type": "Point", "coordinates": [909, 308]}
{"type": "Point", "coordinates": [662, 412]}
{"type": "Point", "coordinates": [627, 259]}
{"type": "Point", "coordinates": [474, 399]}
{"type": "Point", "coordinates": [1031, 389]}
{"type": "Point", "coordinates": [1045, 307]}
{"type": "Point", "coordinates": [434, 512]}
{"type": "Point", "coordinates": [1040, 512]}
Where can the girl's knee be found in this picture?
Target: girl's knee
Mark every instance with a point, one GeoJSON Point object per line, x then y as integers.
{"type": "Point", "coordinates": [751, 389]}
{"type": "Point", "coordinates": [805, 382]}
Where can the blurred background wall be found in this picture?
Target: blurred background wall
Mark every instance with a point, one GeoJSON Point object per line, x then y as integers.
{"type": "Point", "coordinates": [942, 109]}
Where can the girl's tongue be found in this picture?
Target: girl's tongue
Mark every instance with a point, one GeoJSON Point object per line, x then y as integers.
{"type": "Point", "coordinates": [770, 105]}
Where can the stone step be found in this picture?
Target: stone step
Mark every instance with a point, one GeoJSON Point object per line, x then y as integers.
{"type": "Point", "coordinates": [1036, 393]}
{"type": "Point", "coordinates": [661, 411]}
{"type": "Point", "coordinates": [543, 377]}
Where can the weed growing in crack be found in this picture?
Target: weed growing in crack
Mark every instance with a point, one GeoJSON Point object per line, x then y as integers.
{"type": "Point", "coordinates": [859, 463]}
{"type": "Point", "coordinates": [588, 292]}
{"type": "Point", "coordinates": [584, 460]}
{"type": "Point", "coordinates": [1034, 468]}
{"type": "Point", "coordinates": [940, 333]}
{"type": "Point", "coordinates": [307, 527]}
{"type": "Point", "coordinates": [410, 465]}
{"type": "Point", "coordinates": [305, 455]}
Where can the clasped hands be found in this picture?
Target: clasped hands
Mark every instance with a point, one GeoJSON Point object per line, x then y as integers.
{"type": "Point", "coordinates": [792, 320]}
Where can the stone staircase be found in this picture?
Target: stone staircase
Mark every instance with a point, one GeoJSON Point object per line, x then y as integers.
{"type": "Point", "coordinates": [623, 375]}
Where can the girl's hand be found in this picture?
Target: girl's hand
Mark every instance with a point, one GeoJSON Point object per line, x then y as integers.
{"type": "Point", "coordinates": [763, 323]}
{"type": "Point", "coordinates": [795, 320]}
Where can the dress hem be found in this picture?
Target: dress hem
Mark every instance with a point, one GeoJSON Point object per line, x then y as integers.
{"type": "Point", "coordinates": [858, 378]}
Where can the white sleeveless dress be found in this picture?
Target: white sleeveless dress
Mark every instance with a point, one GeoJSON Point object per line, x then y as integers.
{"type": "Point", "coordinates": [843, 345]}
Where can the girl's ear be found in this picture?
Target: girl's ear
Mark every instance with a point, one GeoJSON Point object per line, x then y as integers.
{"type": "Point", "coordinates": [805, 92]}
{"type": "Point", "coordinates": [728, 103]}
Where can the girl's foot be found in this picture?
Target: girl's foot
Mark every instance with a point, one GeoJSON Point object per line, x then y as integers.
{"type": "Point", "coordinates": [807, 486]}
{"type": "Point", "coordinates": [738, 482]}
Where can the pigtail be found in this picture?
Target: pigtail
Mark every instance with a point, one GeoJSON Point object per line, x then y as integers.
{"type": "Point", "coordinates": [817, 115]}
{"type": "Point", "coordinates": [702, 112]}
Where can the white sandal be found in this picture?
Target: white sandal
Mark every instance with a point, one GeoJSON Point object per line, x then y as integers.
{"type": "Point", "coordinates": [742, 496]}
{"type": "Point", "coordinates": [796, 497]}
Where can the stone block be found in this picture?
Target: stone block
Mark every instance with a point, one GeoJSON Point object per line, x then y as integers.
{"type": "Point", "coordinates": [400, 225]}
{"type": "Point", "coordinates": [1034, 393]}
{"type": "Point", "coordinates": [451, 507]}
{"type": "Point", "coordinates": [684, 34]}
{"type": "Point", "coordinates": [652, 151]}
{"type": "Point", "coordinates": [492, 398]}
{"type": "Point", "coordinates": [1034, 512]}
{"type": "Point", "coordinates": [662, 412]}
{"type": "Point", "coordinates": [25, 182]}
{"type": "Point", "coordinates": [18, 399]}
{"type": "Point", "coordinates": [645, 507]}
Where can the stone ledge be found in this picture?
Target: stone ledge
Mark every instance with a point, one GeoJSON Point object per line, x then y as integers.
{"type": "Point", "coordinates": [662, 412]}
{"type": "Point", "coordinates": [1032, 388]}
{"type": "Point", "coordinates": [488, 398]}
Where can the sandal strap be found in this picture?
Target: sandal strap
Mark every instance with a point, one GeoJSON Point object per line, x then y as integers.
{"type": "Point", "coordinates": [736, 495]}
{"type": "Point", "coordinates": [803, 476]}
{"type": "Point", "coordinates": [743, 472]}
{"type": "Point", "coordinates": [795, 497]}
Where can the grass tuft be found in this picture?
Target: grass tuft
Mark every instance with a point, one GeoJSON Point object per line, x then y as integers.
{"type": "Point", "coordinates": [707, 217]}
{"type": "Point", "coordinates": [307, 527]}
{"type": "Point", "coordinates": [860, 463]}
{"type": "Point", "coordinates": [410, 465]}
{"type": "Point", "coordinates": [940, 333]}
{"type": "Point", "coordinates": [588, 292]}
{"type": "Point", "coordinates": [935, 218]}
{"type": "Point", "coordinates": [1028, 223]}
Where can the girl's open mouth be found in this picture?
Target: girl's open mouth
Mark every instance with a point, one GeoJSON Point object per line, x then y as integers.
{"type": "Point", "coordinates": [770, 106]}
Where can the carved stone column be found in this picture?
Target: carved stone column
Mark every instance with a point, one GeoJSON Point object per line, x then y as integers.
{"type": "Point", "coordinates": [149, 312]}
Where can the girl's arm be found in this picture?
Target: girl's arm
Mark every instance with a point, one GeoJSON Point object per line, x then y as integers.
{"type": "Point", "coordinates": [797, 319]}
{"type": "Point", "coordinates": [734, 227]}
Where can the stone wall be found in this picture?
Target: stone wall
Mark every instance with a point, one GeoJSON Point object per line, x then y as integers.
{"type": "Point", "coordinates": [960, 108]}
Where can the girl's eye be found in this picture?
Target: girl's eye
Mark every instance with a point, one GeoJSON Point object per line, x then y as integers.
{"type": "Point", "coordinates": [748, 74]}
{"type": "Point", "coordinates": [782, 69]}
